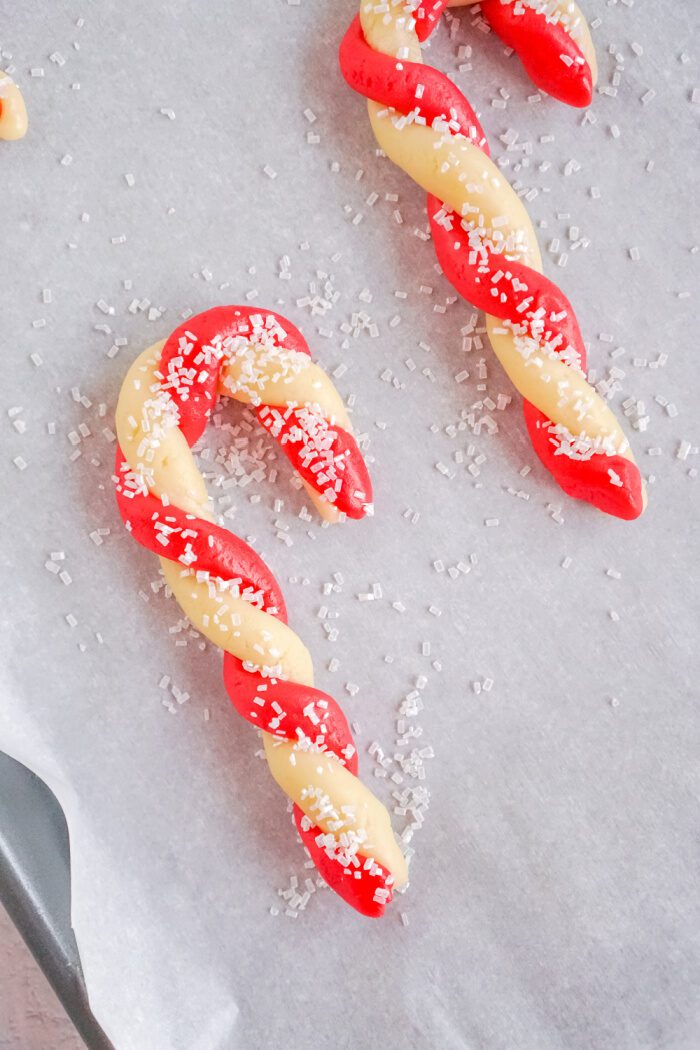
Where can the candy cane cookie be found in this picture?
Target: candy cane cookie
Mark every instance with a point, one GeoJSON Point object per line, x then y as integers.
{"type": "Point", "coordinates": [13, 112]}
{"type": "Point", "coordinates": [487, 248]}
{"type": "Point", "coordinates": [225, 588]}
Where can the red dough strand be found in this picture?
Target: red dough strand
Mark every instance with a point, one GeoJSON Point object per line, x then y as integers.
{"type": "Point", "coordinates": [393, 83]}
{"type": "Point", "coordinates": [169, 531]}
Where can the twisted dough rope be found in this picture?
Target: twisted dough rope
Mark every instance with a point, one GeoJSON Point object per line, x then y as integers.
{"type": "Point", "coordinates": [13, 112]}
{"type": "Point", "coordinates": [225, 588]}
{"type": "Point", "coordinates": [485, 242]}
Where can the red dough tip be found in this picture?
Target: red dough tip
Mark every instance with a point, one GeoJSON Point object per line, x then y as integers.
{"type": "Point", "coordinates": [612, 483]}
{"type": "Point", "coordinates": [325, 455]}
{"type": "Point", "coordinates": [549, 53]}
{"type": "Point", "coordinates": [360, 881]}
{"type": "Point", "coordinates": [427, 16]}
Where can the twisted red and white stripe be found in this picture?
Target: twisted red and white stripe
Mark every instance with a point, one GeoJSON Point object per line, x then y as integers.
{"type": "Point", "coordinates": [228, 591]}
{"type": "Point", "coordinates": [483, 237]}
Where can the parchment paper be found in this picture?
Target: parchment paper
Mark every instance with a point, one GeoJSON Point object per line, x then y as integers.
{"type": "Point", "coordinates": [554, 894]}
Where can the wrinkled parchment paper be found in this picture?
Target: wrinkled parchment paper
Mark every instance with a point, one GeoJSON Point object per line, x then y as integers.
{"type": "Point", "coordinates": [553, 898]}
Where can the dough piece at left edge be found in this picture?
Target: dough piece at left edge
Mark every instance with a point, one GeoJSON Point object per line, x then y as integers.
{"type": "Point", "coordinates": [13, 112]}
